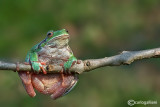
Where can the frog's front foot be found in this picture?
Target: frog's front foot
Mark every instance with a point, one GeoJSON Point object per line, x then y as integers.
{"type": "Point", "coordinates": [67, 65]}
{"type": "Point", "coordinates": [38, 66]}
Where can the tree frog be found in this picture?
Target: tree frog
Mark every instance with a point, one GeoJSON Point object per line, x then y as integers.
{"type": "Point", "coordinates": [54, 49]}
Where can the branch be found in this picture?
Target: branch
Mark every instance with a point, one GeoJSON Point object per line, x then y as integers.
{"type": "Point", "coordinates": [124, 58]}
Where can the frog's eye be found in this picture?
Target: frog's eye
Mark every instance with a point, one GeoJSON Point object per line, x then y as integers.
{"type": "Point", "coordinates": [50, 34]}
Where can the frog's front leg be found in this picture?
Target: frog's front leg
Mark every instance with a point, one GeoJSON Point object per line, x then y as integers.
{"type": "Point", "coordinates": [70, 62]}
{"type": "Point", "coordinates": [35, 63]}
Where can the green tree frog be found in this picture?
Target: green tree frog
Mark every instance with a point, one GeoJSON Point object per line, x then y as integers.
{"type": "Point", "coordinates": [54, 49]}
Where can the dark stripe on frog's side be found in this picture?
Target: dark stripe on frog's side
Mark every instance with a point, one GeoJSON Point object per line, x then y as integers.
{"type": "Point", "coordinates": [70, 88]}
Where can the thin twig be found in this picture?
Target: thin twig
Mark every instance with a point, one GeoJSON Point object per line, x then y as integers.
{"type": "Point", "coordinates": [124, 58]}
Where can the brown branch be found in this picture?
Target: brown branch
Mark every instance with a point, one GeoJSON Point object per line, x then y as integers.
{"type": "Point", "coordinates": [124, 58]}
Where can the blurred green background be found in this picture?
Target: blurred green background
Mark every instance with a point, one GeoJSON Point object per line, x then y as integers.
{"type": "Point", "coordinates": [98, 28]}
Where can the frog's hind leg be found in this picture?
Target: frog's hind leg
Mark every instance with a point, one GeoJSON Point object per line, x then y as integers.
{"type": "Point", "coordinates": [26, 80]}
{"type": "Point", "coordinates": [67, 84]}
{"type": "Point", "coordinates": [60, 90]}
{"type": "Point", "coordinates": [37, 83]}
{"type": "Point", "coordinates": [58, 93]}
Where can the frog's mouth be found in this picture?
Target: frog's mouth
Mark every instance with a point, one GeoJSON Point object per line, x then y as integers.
{"type": "Point", "coordinates": [58, 39]}
{"type": "Point", "coordinates": [61, 37]}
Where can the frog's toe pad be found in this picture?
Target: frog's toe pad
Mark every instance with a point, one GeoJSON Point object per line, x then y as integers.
{"type": "Point", "coordinates": [36, 69]}
{"type": "Point", "coordinates": [36, 66]}
{"type": "Point", "coordinates": [67, 65]}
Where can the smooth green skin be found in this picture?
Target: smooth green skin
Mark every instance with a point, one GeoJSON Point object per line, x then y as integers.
{"type": "Point", "coordinates": [32, 56]}
{"type": "Point", "coordinates": [68, 64]}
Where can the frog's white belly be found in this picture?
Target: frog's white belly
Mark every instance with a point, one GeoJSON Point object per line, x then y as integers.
{"type": "Point", "coordinates": [54, 55]}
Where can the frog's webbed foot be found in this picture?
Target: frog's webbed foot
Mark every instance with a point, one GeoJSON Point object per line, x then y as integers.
{"type": "Point", "coordinates": [26, 80]}
{"type": "Point", "coordinates": [38, 66]}
{"type": "Point", "coordinates": [67, 65]}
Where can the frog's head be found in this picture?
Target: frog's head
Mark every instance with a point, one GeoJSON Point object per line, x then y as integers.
{"type": "Point", "coordinates": [56, 38]}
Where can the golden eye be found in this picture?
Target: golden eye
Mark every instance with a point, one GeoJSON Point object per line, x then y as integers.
{"type": "Point", "coordinates": [50, 34]}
